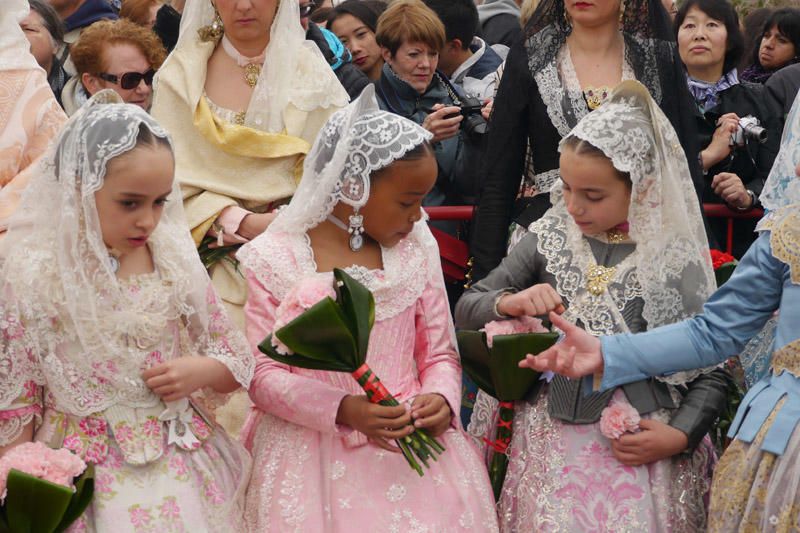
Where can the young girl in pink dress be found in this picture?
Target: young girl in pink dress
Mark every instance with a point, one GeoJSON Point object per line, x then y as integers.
{"type": "Point", "coordinates": [324, 459]}
{"type": "Point", "coordinates": [111, 334]}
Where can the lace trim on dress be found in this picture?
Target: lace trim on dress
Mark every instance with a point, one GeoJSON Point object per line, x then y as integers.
{"type": "Point", "coordinates": [224, 114]}
{"type": "Point", "coordinates": [787, 358]}
{"type": "Point", "coordinates": [785, 238]}
{"type": "Point", "coordinates": [11, 429]}
{"type": "Point", "coordinates": [279, 261]}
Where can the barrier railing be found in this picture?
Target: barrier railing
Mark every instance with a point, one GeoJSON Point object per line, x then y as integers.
{"type": "Point", "coordinates": [455, 253]}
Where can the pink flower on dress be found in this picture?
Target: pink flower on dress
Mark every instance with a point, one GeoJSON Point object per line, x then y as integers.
{"type": "Point", "coordinates": [93, 427]}
{"type": "Point", "coordinates": [152, 427]}
{"type": "Point", "coordinates": [103, 483]}
{"type": "Point", "coordinates": [34, 458]}
{"type": "Point", "coordinates": [30, 390]}
{"type": "Point", "coordinates": [153, 358]}
{"type": "Point", "coordinates": [200, 428]}
{"type": "Point", "coordinates": [123, 433]}
{"type": "Point", "coordinates": [170, 508]}
{"type": "Point", "coordinates": [178, 464]}
{"type": "Point", "coordinates": [523, 324]}
{"type": "Point", "coordinates": [617, 419]}
{"type": "Point", "coordinates": [96, 452]}
{"type": "Point", "coordinates": [213, 494]}
{"type": "Point", "coordinates": [73, 443]}
{"type": "Point", "coordinates": [139, 517]}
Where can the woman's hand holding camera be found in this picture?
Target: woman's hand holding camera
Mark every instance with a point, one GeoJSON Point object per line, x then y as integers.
{"type": "Point", "coordinates": [443, 122]}
{"type": "Point", "coordinates": [720, 146]}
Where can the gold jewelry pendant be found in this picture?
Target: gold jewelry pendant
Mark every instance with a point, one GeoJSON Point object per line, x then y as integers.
{"type": "Point", "coordinates": [615, 236]}
{"type": "Point", "coordinates": [251, 73]}
{"type": "Point", "coordinates": [598, 277]}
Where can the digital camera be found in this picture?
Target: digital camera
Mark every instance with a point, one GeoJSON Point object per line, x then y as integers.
{"type": "Point", "coordinates": [749, 130]}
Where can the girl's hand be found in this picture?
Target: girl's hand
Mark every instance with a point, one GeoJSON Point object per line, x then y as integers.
{"type": "Point", "coordinates": [577, 355]}
{"type": "Point", "coordinates": [432, 412]}
{"type": "Point", "coordinates": [443, 122]}
{"type": "Point", "coordinates": [378, 422]}
{"type": "Point", "coordinates": [654, 442]}
{"type": "Point", "coordinates": [720, 146]}
{"type": "Point", "coordinates": [731, 189]}
{"type": "Point", "coordinates": [180, 377]}
{"type": "Point", "coordinates": [255, 224]}
{"type": "Point", "coordinates": [533, 301]}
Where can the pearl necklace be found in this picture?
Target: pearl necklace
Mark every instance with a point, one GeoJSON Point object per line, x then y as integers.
{"type": "Point", "coordinates": [251, 65]}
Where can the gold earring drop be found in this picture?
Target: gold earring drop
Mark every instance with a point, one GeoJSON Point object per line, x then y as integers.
{"type": "Point", "coordinates": [214, 31]}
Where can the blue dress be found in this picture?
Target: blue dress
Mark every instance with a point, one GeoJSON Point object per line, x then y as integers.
{"type": "Point", "coordinates": [757, 482]}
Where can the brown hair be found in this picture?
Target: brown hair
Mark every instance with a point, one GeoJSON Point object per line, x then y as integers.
{"type": "Point", "coordinates": [409, 21]}
{"type": "Point", "coordinates": [87, 52]}
{"type": "Point", "coordinates": [583, 147]}
{"type": "Point", "coordinates": [138, 11]}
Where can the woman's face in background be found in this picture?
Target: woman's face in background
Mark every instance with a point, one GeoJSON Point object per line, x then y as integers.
{"type": "Point", "coordinates": [776, 49]}
{"type": "Point", "coordinates": [360, 40]}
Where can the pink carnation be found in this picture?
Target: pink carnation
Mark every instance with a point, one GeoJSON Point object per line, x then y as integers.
{"type": "Point", "coordinates": [300, 299]}
{"type": "Point", "coordinates": [617, 419]}
{"type": "Point", "coordinates": [523, 324]}
{"type": "Point", "coordinates": [34, 458]}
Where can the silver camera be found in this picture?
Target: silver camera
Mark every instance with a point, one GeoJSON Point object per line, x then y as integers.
{"type": "Point", "coordinates": [749, 130]}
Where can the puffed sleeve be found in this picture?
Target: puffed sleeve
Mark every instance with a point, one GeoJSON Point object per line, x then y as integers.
{"type": "Point", "coordinates": [275, 389]}
{"type": "Point", "coordinates": [732, 315]}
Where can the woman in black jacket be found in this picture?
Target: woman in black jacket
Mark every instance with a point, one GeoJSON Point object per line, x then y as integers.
{"type": "Point", "coordinates": [735, 163]}
{"type": "Point", "coordinates": [569, 58]}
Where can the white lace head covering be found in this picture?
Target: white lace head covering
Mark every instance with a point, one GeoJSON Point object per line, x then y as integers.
{"type": "Point", "coordinates": [783, 185]}
{"type": "Point", "coordinates": [15, 50]}
{"type": "Point", "coordinates": [355, 142]}
{"type": "Point", "coordinates": [83, 336]}
{"type": "Point", "coordinates": [671, 260]}
{"type": "Point", "coordinates": [272, 91]}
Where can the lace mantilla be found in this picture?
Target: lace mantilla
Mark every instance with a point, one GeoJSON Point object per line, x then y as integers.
{"type": "Point", "coordinates": [782, 186]}
{"type": "Point", "coordinates": [355, 143]}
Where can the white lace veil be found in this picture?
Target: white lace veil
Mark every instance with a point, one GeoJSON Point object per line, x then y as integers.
{"type": "Point", "coordinates": [355, 142]}
{"type": "Point", "coordinates": [783, 185]}
{"type": "Point", "coordinates": [66, 319]}
{"type": "Point", "coordinates": [671, 260]}
{"type": "Point", "coordinates": [15, 50]}
{"type": "Point", "coordinates": [272, 91]}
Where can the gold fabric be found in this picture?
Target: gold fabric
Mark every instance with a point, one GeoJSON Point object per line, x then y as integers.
{"type": "Point", "coordinates": [784, 225]}
{"type": "Point", "coordinates": [787, 358]}
{"type": "Point", "coordinates": [753, 490]}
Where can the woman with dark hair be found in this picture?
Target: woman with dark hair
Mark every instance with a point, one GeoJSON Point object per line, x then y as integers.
{"type": "Point", "coordinates": [45, 32]}
{"type": "Point", "coordinates": [779, 45]}
{"type": "Point", "coordinates": [710, 44]}
{"type": "Point", "coordinates": [355, 22]}
{"type": "Point", "coordinates": [571, 57]}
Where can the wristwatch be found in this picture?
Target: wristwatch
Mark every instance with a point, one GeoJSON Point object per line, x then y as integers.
{"type": "Point", "coordinates": [752, 202]}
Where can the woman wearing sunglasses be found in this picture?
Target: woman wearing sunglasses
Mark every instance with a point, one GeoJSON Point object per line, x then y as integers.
{"type": "Point", "coordinates": [118, 55]}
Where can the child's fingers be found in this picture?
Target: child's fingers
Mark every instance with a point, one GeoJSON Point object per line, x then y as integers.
{"type": "Point", "coordinates": [385, 411]}
{"type": "Point", "coordinates": [439, 417]}
{"type": "Point", "coordinates": [158, 381]}
{"type": "Point", "coordinates": [562, 323]}
{"type": "Point", "coordinates": [394, 434]}
{"type": "Point", "coordinates": [154, 371]}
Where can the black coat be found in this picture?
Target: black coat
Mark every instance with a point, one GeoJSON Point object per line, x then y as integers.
{"type": "Point", "coordinates": [751, 163]}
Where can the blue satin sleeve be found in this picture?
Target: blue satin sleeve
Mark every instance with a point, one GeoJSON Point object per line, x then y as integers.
{"type": "Point", "coordinates": [732, 315]}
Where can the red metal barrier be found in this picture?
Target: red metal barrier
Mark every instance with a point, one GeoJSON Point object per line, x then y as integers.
{"type": "Point", "coordinates": [455, 253]}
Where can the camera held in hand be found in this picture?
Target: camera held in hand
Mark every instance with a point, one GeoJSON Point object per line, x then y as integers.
{"type": "Point", "coordinates": [749, 130]}
{"type": "Point", "coordinates": [474, 124]}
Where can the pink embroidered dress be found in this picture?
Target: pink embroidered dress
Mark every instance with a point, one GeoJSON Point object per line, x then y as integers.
{"type": "Point", "coordinates": [75, 339]}
{"type": "Point", "coordinates": [311, 474]}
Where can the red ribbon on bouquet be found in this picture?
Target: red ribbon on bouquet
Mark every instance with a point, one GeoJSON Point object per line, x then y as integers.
{"type": "Point", "coordinates": [376, 391]}
{"type": "Point", "coordinates": [501, 443]}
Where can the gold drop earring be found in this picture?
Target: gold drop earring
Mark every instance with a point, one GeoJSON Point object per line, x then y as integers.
{"type": "Point", "coordinates": [212, 32]}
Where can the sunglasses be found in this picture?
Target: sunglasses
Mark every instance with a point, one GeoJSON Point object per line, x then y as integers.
{"type": "Point", "coordinates": [306, 9]}
{"type": "Point", "coordinates": [129, 80]}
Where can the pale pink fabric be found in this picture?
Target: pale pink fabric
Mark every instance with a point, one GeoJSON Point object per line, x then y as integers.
{"type": "Point", "coordinates": [230, 219]}
{"type": "Point", "coordinates": [310, 474]}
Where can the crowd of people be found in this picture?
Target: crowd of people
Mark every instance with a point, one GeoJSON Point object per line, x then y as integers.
{"type": "Point", "coordinates": [174, 173]}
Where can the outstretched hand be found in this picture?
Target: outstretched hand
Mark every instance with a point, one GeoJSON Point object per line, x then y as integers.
{"type": "Point", "coordinates": [577, 355]}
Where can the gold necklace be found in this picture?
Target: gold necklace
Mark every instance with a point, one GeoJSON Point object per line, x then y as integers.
{"type": "Point", "coordinates": [251, 65]}
{"type": "Point", "coordinates": [615, 236]}
{"type": "Point", "coordinates": [598, 277]}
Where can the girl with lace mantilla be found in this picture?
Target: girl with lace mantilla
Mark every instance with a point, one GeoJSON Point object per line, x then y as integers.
{"type": "Point", "coordinates": [111, 334]}
{"type": "Point", "coordinates": [622, 249]}
{"type": "Point", "coordinates": [572, 55]}
{"type": "Point", "coordinates": [321, 451]}
{"type": "Point", "coordinates": [243, 95]}
{"type": "Point", "coordinates": [755, 484]}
